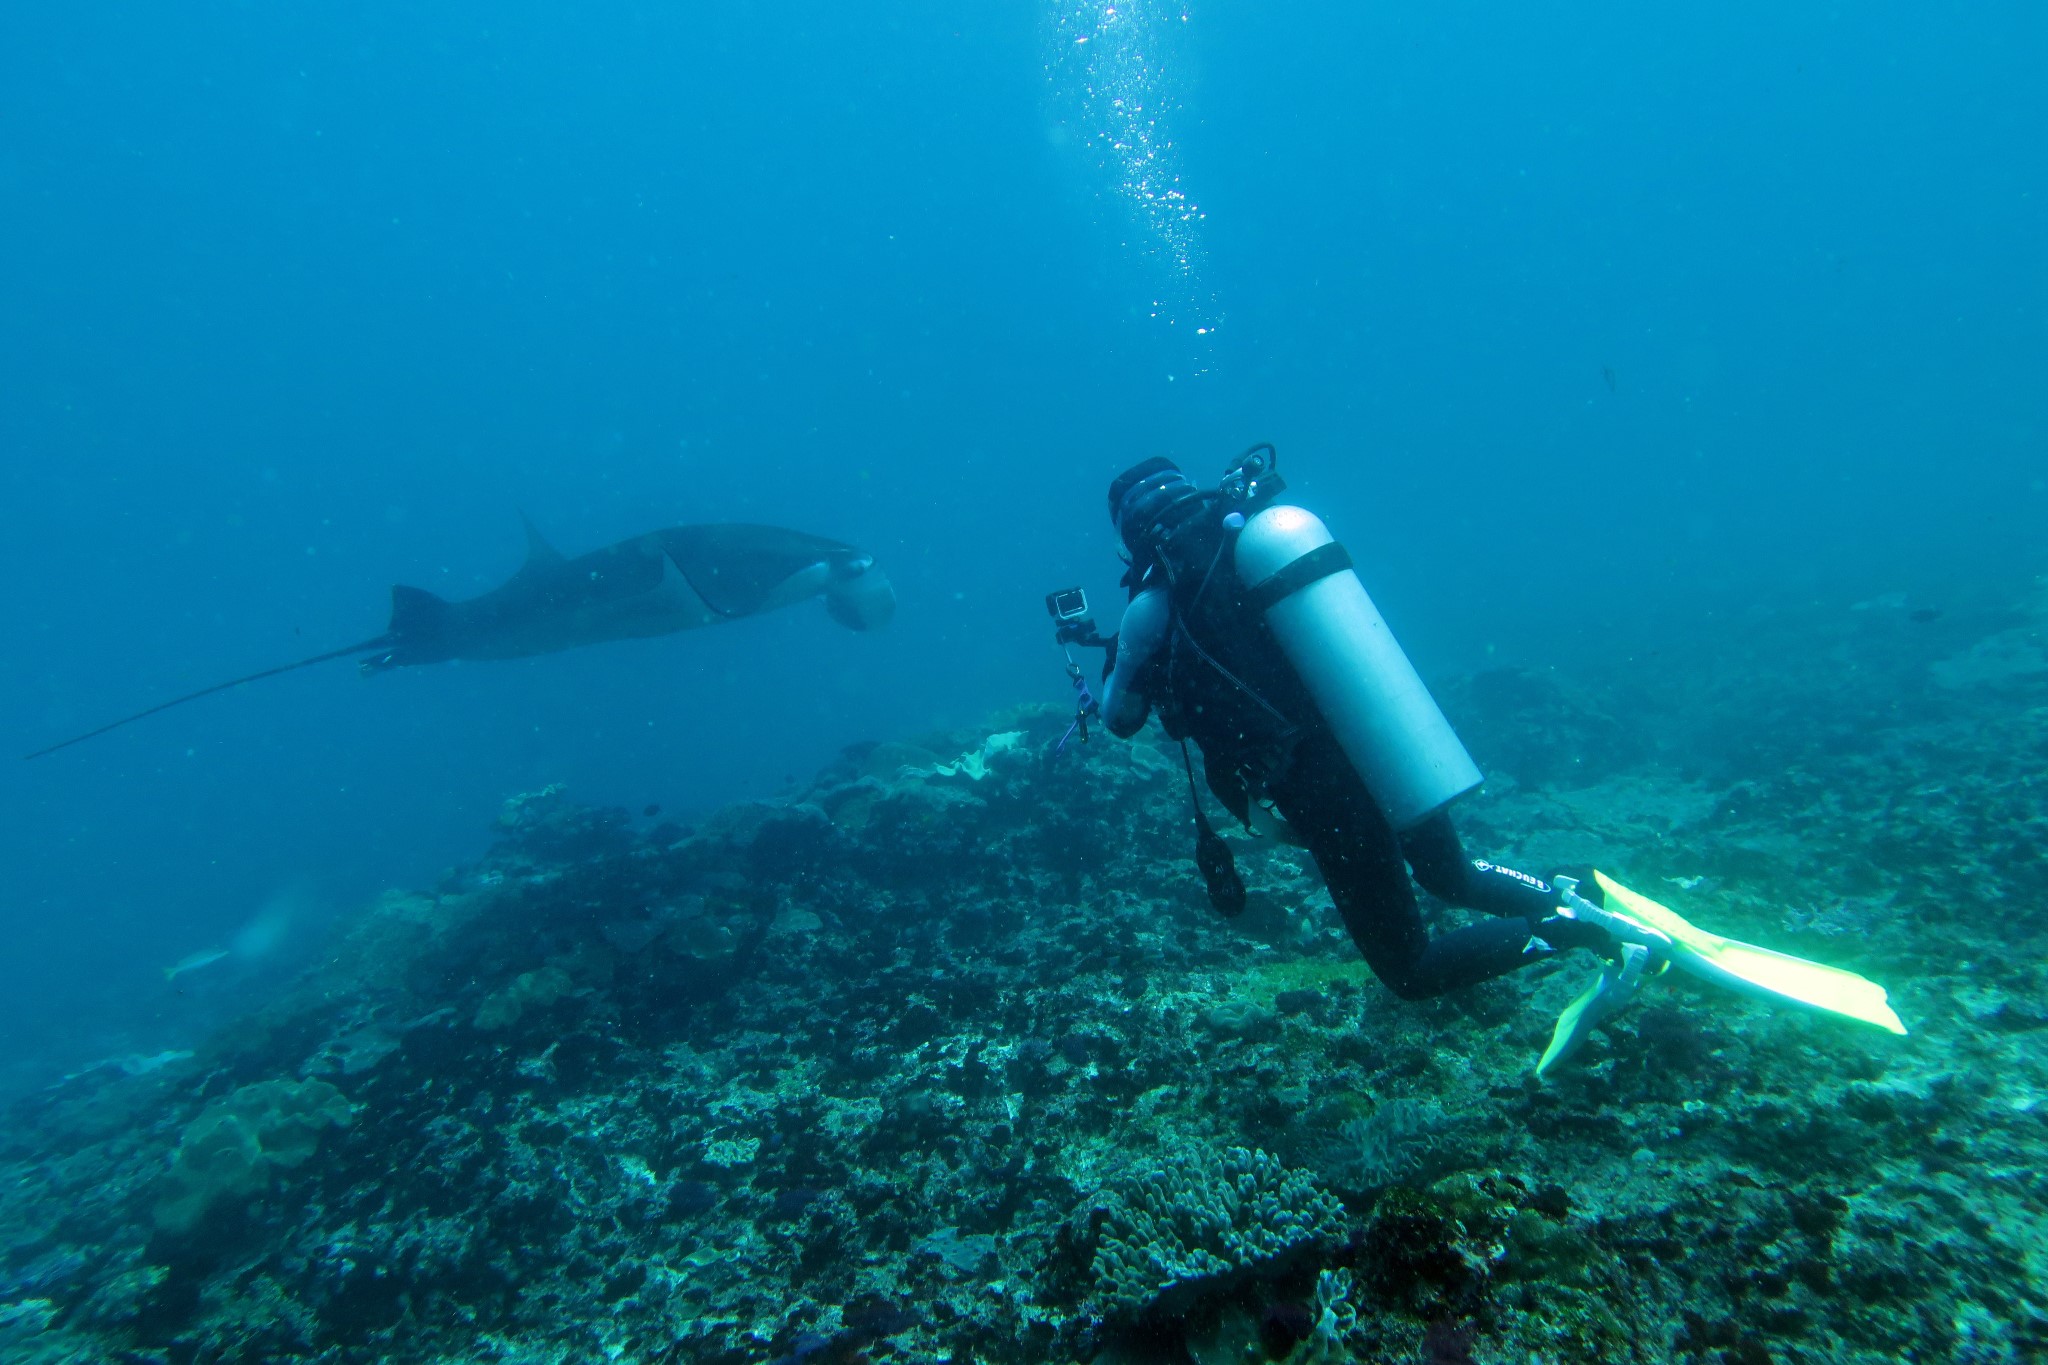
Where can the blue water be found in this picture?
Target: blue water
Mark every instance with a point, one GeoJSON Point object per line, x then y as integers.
{"type": "Point", "coordinates": [1577, 322]}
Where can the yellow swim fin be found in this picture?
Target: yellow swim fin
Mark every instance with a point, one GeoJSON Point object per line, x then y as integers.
{"type": "Point", "coordinates": [1753, 970]}
{"type": "Point", "coordinates": [1609, 994]}
{"type": "Point", "coordinates": [1650, 937]}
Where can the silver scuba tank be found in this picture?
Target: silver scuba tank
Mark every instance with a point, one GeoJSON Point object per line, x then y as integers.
{"type": "Point", "coordinates": [1369, 694]}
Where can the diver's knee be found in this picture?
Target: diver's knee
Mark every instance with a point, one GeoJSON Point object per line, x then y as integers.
{"type": "Point", "coordinates": [1405, 982]}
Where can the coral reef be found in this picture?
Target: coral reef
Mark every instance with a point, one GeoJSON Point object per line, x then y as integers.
{"type": "Point", "coordinates": [240, 1143]}
{"type": "Point", "coordinates": [945, 1058]}
{"type": "Point", "coordinates": [1201, 1220]}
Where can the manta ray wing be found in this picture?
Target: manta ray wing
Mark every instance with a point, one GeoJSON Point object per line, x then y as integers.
{"type": "Point", "coordinates": [739, 570]}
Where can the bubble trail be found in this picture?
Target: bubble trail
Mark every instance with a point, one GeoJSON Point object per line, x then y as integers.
{"type": "Point", "coordinates": [1113, 76]}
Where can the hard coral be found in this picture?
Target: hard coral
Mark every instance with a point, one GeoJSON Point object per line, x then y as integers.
{"type": "Point", "coordinates": [237, 1146]}
{"type": "Point", "coordinates": [1207, 1219]}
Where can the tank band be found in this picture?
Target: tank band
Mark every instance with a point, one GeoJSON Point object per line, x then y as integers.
{"type": "Point", "coordinates": [1317, 564]}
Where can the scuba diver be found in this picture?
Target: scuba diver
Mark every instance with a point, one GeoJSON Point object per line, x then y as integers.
{"type": "Point", "coordinates": [1248, 632]}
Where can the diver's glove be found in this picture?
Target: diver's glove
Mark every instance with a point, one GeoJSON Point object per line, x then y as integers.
{"type": "Point", "coordinates": [1651, 937]}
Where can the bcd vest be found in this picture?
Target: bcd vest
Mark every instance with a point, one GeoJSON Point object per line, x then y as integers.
{"type": "Point", "coordinates": [1221, 679]}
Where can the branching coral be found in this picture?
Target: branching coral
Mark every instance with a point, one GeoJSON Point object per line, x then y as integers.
{"type": "Point", "coordinates": [1207, 1216]}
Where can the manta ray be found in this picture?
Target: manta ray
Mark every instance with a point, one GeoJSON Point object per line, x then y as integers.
{"type": "Point", "coordinates": [664, 581]}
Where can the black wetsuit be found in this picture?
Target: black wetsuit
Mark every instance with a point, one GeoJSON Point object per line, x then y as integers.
{"type": "Point", "coordinates": [1213, 669]}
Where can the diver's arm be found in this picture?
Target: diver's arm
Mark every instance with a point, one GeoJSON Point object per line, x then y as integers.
{"type": "Point", "coordinates": [1124, 704]}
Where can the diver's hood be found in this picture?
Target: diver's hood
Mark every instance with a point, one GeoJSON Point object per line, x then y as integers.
{"type": "Point", "coordinates": [1152, 509]}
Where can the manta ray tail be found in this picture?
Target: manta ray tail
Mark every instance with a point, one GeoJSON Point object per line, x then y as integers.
{"type": "Point", "coordinates": [209, 691]}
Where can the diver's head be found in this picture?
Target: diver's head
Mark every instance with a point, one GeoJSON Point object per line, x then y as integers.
{"type": "Point", "coordinates": [1147, 500]}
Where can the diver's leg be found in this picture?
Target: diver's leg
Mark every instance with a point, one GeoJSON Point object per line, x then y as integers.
{"type": "Point", "coordinates": [1363, 864]}
{"type": "Point", "coordinates": [1441, 866]}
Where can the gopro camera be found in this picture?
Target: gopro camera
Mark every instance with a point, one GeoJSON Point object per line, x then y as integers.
{"type": "Point", "coordinates": [1068, 604]}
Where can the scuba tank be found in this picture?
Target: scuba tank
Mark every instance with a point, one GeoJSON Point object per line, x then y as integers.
{"type": "Point", "coordinates": [1388, 725]}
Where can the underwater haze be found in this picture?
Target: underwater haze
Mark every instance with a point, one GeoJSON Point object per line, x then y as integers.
{"type": "Point", "coordinates": [1576, 321]}
{"type": "Point", "coordinates": [1600, 334]}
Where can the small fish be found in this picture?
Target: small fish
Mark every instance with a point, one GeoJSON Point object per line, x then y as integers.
{"type": "Point", "coordinates": [192, 962]}
{"type": "Point", "coordinates": [1607, 373]}
{"type": "Point", "coordinates": [650, 810]}
{"type": "Point", "coordinates": [1923, 615]}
